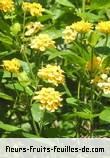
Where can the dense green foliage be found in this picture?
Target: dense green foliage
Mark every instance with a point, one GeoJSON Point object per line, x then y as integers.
{"type": "Point", "coordinates": [85, 111]}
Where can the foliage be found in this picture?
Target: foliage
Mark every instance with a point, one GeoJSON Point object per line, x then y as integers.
{"type": "Point", "coordinates": [71, 58]}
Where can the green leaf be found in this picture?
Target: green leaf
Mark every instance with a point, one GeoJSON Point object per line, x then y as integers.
{"type": "Point", "coordinates": [89, 16]}
{"type": "Point", "coordinates": [19, 88]}
{"type": "Point", "coordinates": [73, 58]}
{"type": "Point", "coordinates": [44, 18]}
{"type": "Point", "coordinates": [6, 53]}
{"type": "Point", "coordinates": [71, 101]}
{"type": "Point", "coordinates": [23, 79]}
{"type": "Point", "coordinates": [5, 96]}
{"type": "Point", "coordinates": [9, 128]}
{"type": "Point", "coordinates": [99, 4]}
{"type": "Point", "coordinates": [4, 26]}
{"type": "Point", "coordinates": [106, 95]}
{"type": "Point", "coordinates": [106, 61]}
{"type": "Point", "coordinates": [66, 3]}
{"type": "Point", "coordinates": [37, 113]}
{"type": "Point", "coordinates": [48, 118]}
{"type": "Point", "coordinates": [28, 135]}
{"type": "Point", "coordinates": [6, 39]}
{"type": "Point", "coordinates": [53, 33]}
{"type": "Point", "coordinates": [85, 115]}
{"type": "Point", "coordinates": [53, 53]}
{"type": "Point", "coordinates": [93, 38]}
{"type": "Point", "coordinates": [105, 115]}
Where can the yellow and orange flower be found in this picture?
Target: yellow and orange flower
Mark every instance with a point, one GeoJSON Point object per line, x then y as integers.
{"type": "Point", "coordinates": [33, 27]}
{"type": "Point", "coordinates": [95, 64]}
{"type": "Point", "coordinates": [49, 99]}
{"type": "Point", "coordinates": [42, 42]}
{"type": "Point", "coordinates": [53, 74]}
{"type": "Point", "coordinates": [82, 26]}
{"type": "Point", "coordinates": [6, 5]}
{"type": "Point", "coordinates": [12, 66]}
{"type": "Point", "coordinates": [69, 35]}
{"type": "Point", "coordinates": [35, 9]}
{"type": "Point", "coordinates": [104, 27]}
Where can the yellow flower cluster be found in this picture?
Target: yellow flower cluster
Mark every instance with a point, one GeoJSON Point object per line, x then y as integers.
{"type": "Point", "coordinates": [35, 9]}
{"type": "Point", "coordinates": [69, 35]}
{"type": "Point", "coordinates": [33, 27]}
{"type": "Point", "coordinates": [82, 26]}
{"type": "Point", "coordinates": [103, 27]}
{"type": "Point", "coordinates": [53, 74]}
{"type": "Point", "coordinates": [42, 42]}
{"type": "Point", "coordinates": [104, 83]}
{"type": "Point", "coordinates": [95, 64]}
{"type": "Point", "coordinates": [12, 66]}
{"type": "Point", "coordinates": [49, 99]}
{"type": "Point", "coordinates": [6, 5]}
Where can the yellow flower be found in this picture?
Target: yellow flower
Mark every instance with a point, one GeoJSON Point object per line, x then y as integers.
{"type": "Point", "coordinates": [103, 26]}
{"type": "Point", "coordinates": [103, 81]}
{"type": "Point", "coordinates": [6, 5]}
{"type": "Point", "coordinates": [35, 9]}
{"type": "Point", "coordinates": [104, 86]}
{"type": "Point", "coordinates": [94, 65]}
{"type": "Point", "coordinates": [53, 74]}
{"type": "Point", "coordinates": [82, 26]}
{"type": "Point", "coordinates": [49, 99]}
{"type": "Point", "coordinates": [42, 42]}
{"type": "Point", "coordinates": [12, 66]}
{"type": "Point", "coordinates": [69, 35]}
{"type": "Point", "coordinates": [33, 27]}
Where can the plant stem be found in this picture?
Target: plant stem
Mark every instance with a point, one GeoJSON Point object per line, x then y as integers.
{"type": "Point", "coordinates": [79, 88]}
{"type": "Point", "coordinates": [67, 90]}
{"type": "Point", "coordinates": [106, 39]}
{"type": "Point", "coordinates": [92, 93]}
{"type": "Point", "coordinates": [23, 50]}
{"type": "Point", "coordinates": [14, 84]}
{"type": "Point", "coordinates": [83, 6]}
{"type": "Point", "coordinates": [31, 117]}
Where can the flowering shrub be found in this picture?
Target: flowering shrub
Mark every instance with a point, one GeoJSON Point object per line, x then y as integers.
{"type": "Point", "coordinates": [55, 69]}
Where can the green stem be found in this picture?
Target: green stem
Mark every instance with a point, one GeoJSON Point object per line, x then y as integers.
{"type": "Point", "coordinates": [14, 84]}
{"type": "Point", "coordinates": [26, 58]}
{"type": "Point", "coordinates": [92, 93]}
{"type": "Point", "coordinates": [29, 104]}
{"type": "Point", "coordinates": [23, 50]}
{"type": "Point", "coordinates": [79, 88]}
{"type": "Point", "coordinates": [67, 90]}
{"type": "Point", "coordinates": [83, 6]}
{"type": "Point", "coordinates": [31, 117]}
{"type": "Point", "coordinates": [106, 39]}
{"type": "Point", "coordinates": [77, 119]}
